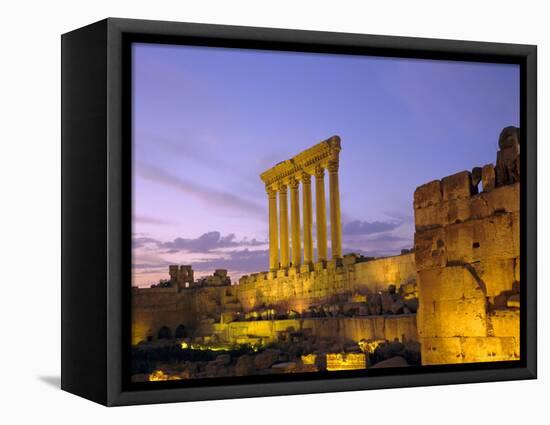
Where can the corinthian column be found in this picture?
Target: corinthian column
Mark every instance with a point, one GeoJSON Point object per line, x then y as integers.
{"type": "Point", "coordinates": [273, 231]}
{"type": "Point", "coordinates": [321, 213]}
{"type": "Point", "coordinates": [295, 222]}
{"type": "Point", "coordinates": [283, 225]}
{"type": "Point", "coordinates": [306, 198]}
{"type": "Point", "coordinates": [335, 221]}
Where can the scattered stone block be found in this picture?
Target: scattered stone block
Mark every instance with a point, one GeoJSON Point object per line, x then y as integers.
{"type": "Point", "coordinates": [507, 167]}
{"type": "Point", "coordinates": [488, 178]}
{"type": "Point", "coordinates": [266, 358]}
{"type": "Point", "coordinates": [396, 361]}
{"type": "Point", "coordinates": [349, 361]}
{"type": "Point", "coordinates": [375, 304]}
{"type": "Point", "coordinates": [224, 359]}
{"type": "Point", "coordinates": [513, 301]}
{"type": "Point", "coordinates": [286, 367]}
{"type": "Point", "coordinates": [387, 302]}
{"type": "Point", "coordinates": [412, 304]}
{"type": "Point", "coordinates": [245, 366]}
{"type": "Point", "coordinates": [397, 307]}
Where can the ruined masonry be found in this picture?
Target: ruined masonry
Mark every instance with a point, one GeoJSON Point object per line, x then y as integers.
{"type": "Point", "coordinates": [456, 292]}
{"type": "Point", "coordinates": [467, 253]}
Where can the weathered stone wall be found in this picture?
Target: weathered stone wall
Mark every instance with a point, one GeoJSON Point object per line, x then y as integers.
{"type": "Point", "coordinates": [344, 329]}
{"type": "Point", "coordinates": [153, 308]}
{"type": "Point", "coordinates": [467, 255]}
{"type": "Point", "coordinates": [292, 290]}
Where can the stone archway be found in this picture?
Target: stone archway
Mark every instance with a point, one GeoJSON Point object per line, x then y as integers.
{"type": "Point", "coordinates": [181, 332]}
{"type": "Point", "coordinates": [164, 333]}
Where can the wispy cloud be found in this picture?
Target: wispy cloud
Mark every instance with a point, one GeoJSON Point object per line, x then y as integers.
{"type": "Point", "coordinates": [208, 242]}
{"type": "Point", "coordinates": [191, 145]}
{"type": "Point", "coordinates": [211, 197]}
{"type": "Point", "coordinates": [205, 243]}
{"type": "Point", "coordinates": [142, 241]}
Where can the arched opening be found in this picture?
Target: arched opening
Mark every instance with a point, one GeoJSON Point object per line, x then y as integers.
{"type": "Point", "coordinates": [164, 333]}
{"type": "Point", "coordinates": [180, 332]}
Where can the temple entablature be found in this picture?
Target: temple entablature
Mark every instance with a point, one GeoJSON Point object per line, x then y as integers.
{"type": "Point", "coordinates": [304, 164]}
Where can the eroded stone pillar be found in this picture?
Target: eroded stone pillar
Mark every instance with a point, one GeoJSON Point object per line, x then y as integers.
{"type": "Point", "coordinates": [335, 220]}
{"type": "Point", "coordinates": [295, 222]}
{"type": "Point", "coordinates": [273, 230]}
{"type": "Point", "coordinates": [306, 198]}
{"type": "Point", "coordinates": [321, 213]}
{"type": "Point", "coordinates": [283, 225]}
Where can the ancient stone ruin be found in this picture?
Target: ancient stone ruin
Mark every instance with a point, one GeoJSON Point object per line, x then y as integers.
{"type": "Point", "coordinates": [467, 254]}
{"type": "Point", "coordinates": [453, 298]}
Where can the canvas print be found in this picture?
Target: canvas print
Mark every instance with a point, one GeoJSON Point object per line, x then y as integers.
{"type": "Point", "coordinates": [308, 213]}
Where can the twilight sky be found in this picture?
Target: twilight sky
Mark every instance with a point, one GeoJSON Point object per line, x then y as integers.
{"type": "Point", "coordinates": [207, 121]}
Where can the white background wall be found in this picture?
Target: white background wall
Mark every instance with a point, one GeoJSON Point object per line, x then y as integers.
{"type": "Point", "coordinates": [30, 209]}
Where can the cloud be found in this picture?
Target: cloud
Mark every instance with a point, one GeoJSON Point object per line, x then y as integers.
{"type": "Point", "coordinates": [142, 241]}
{"type": "Point", "coordinates": [358, 227]}
{"type": "Point", "coordinates": [208, 242]}
{"type": "Point", "coordinates": [211, 197]}
{"type": "Point", "coordinates": [205, 243]}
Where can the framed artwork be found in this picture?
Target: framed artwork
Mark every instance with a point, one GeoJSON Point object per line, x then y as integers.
{"type": "Point", "coordinates": [254, 212]}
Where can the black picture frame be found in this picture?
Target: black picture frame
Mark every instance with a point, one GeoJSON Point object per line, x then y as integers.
{"type": "Point", "coordinates": [96, 208]}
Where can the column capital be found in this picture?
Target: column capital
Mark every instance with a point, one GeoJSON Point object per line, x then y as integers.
{"type": "Point", "coordinates": [294, 183]}
{"type": "Point", "coordinates": [271, 192]}
{"type": "Point", "coordinates": [282, 188]}
{"type": "Point", "coordinates": [305, 177]}
{"type": "Point", "coordinates": [333, 166]}
{"type": "Point", "coordinates": [319, 171]}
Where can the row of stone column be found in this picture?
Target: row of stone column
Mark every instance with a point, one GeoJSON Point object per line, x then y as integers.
{"type": "Point", "coordinates": [278, 220]}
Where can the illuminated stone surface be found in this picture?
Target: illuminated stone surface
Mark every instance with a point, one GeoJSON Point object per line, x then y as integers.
{"type": "Point", "coordinates": [349, 361]}
{"type": "Point", "coordinates": [457, 293]}
{"type": "Point", "coordinates": [467, 258]}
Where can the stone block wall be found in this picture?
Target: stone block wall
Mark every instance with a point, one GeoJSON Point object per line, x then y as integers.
{"type": "Point", "coordinates": [298, 289]}
{"type": "Point", "coordinates": [344, 329]}
{"type": "Point", "coordinates": [154, 308]}
{"type": "Point", "coordinates": [291, 290]}
{"type": "Point", "coordinates": [467, 256]}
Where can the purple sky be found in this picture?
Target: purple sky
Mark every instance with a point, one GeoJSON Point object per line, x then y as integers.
{"type": "Point", "coordinates": [207, 121]}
